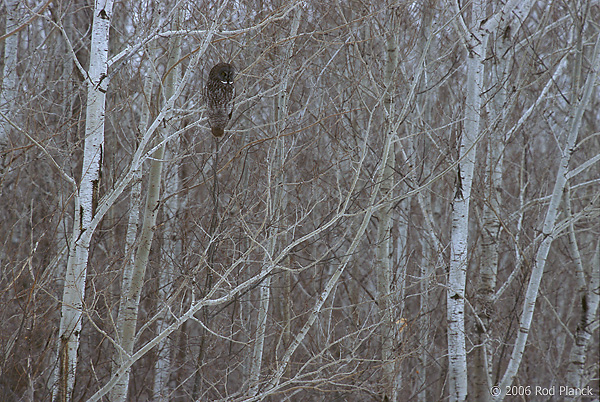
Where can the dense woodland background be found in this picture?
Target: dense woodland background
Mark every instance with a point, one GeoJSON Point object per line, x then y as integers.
{"type": "Point", "coordinates": [401, 184]}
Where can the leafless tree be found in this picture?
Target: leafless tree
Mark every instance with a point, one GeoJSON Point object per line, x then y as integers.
{"type": "Point", "coordinates": [404, 207]}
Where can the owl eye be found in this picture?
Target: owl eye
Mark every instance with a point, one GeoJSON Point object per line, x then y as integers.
{"type": "Point", "coordinates": [225, 77]}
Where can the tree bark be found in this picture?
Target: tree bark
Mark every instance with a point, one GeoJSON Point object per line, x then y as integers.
{"type": "Point", "coordinates": [491, 228]}
{"type": "Point", "coordinates": [384, 247]}
{"type": "Point", "coordinates": [128, 311]}
{"type": "Point", "coordinates": [8, 89]}
{"type": "Point", "coordinates": [549, 230]}
{"type": "Point", "coordinates": [459, 256]}
{"type": "Point", "coordinates": [85, 202]}
{"type": "Point", "coordinates": [588, 298]}
{"type": "Point", "coordinates": [276, 205]}
{"type": "Point", "coordinates": [172, 242]}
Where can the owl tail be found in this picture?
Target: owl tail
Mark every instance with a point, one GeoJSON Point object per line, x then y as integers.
{"type": "Point", "coordinates": [217, 131]}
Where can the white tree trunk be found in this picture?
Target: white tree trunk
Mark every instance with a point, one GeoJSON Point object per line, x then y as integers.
{"type": "Point", "coordinates": [261, 324]}
{"type": "Point", "coordinates": [483, 25]}
{"type": "Point", "coordinates": [589, 298]}
{"type": "Point", "coordinates": [429, 263]}
{"type": "Point", "coordinates": [128, 309]}
{"type": "Point", "coordinates": [548, 229]}
{"type": "Point", "coordinates": [8, 89]}
{"type": "Point", "coordinates": [588, 295]}
{"type": "Point", "coordinates": [459, 257]}
{"type": "Point", "coordinates": [491, 229]}
{"type": "Point", "coordinates": [276, 205]}
{"type": "Point", "coordinates": [172, 242]}
{"type": "Point", "coordinates": [430, 245]}
{"type": "Point", "coordinates": [383, 250]}
{"type": "Point", "coordinates": [85, 201]}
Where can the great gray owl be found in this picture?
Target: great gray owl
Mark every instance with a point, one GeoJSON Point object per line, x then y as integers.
{"type": "Point", "coordinates": [219, 93]}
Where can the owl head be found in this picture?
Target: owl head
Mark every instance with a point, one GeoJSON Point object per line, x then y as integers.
{"type": "Point", "coordinates": [222, 72]}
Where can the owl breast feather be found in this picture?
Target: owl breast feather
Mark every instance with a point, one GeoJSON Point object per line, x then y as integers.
{"type": "Point", "coordinates": [219, 105]}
